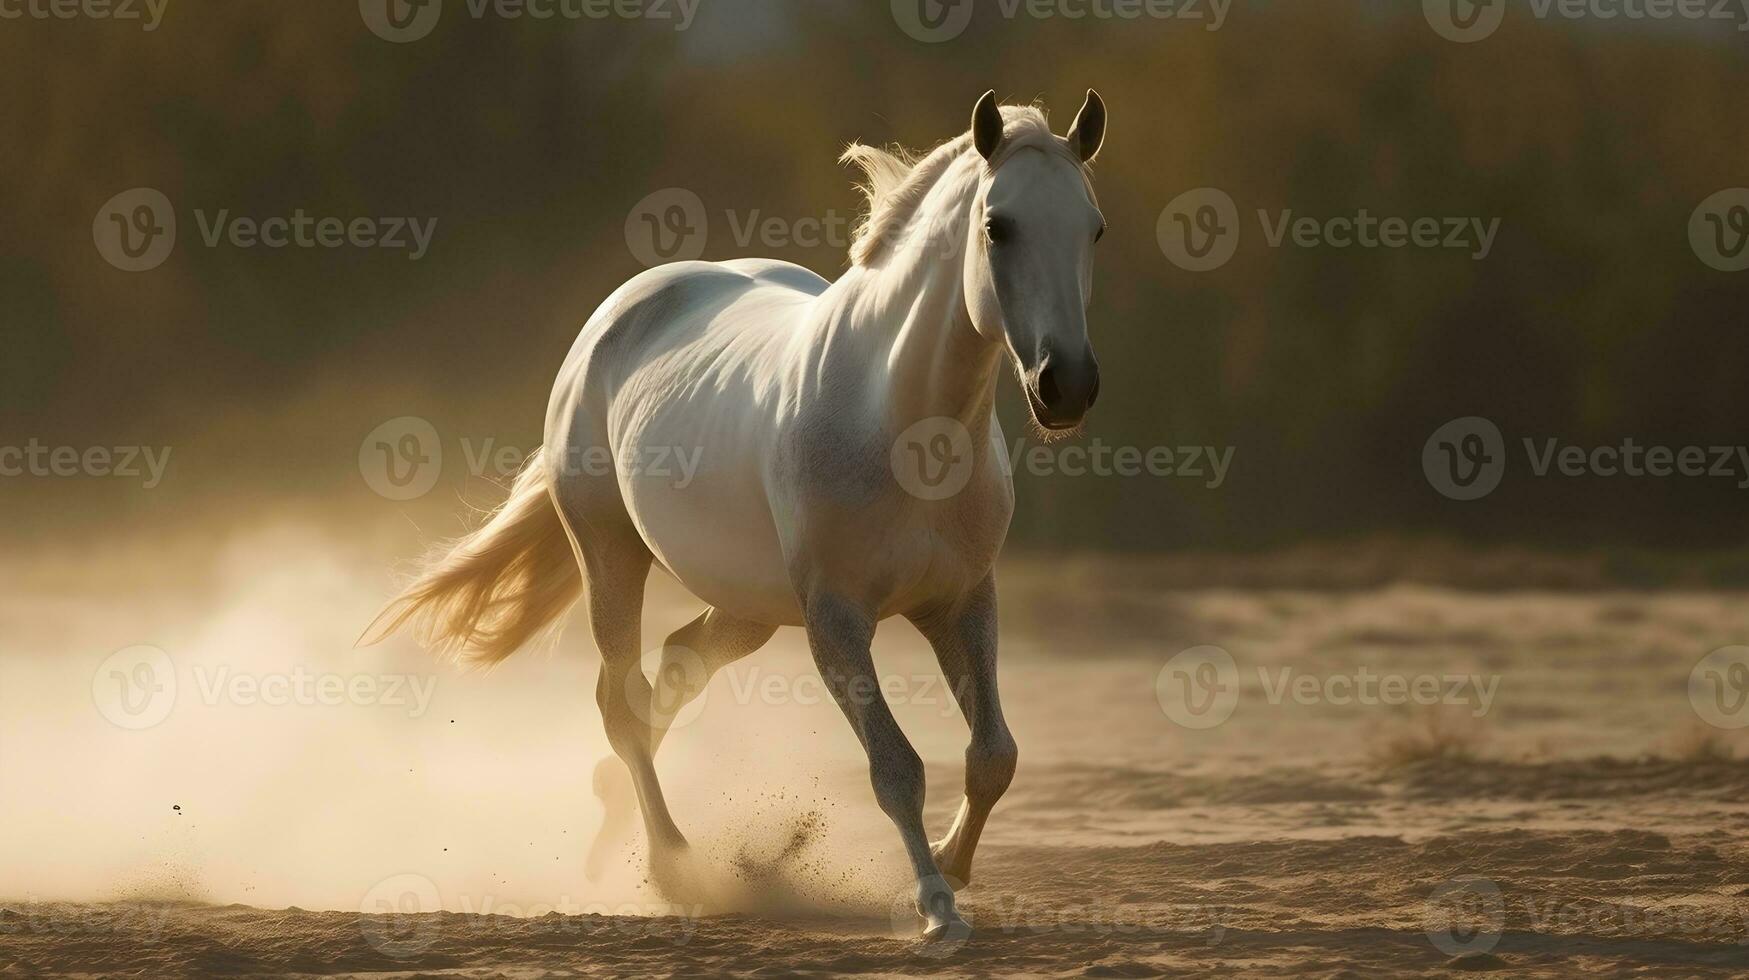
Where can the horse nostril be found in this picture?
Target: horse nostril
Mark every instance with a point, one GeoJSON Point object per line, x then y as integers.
{"type": "Point", "coordinates": [1093, 393]}
{"type": "Point", "coordinates": [1047, 386]}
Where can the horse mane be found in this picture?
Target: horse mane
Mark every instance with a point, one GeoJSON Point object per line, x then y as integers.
{"type": "Point", "coordinates": [895, 181]}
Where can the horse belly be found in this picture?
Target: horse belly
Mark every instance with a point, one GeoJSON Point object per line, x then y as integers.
{"type": "Point", "coordinates": [709, 522]}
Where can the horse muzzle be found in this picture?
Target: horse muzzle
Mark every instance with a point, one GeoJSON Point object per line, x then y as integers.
{"type": "Point", "coordinates": [1060, 389]}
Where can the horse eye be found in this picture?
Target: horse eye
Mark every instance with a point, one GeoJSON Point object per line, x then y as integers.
{"type": "Point", "coordinates": [998, 229]}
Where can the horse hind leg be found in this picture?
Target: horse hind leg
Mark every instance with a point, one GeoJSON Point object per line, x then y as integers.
{"type": "Point", "coordinates": [693, 654]}
{"type": "Point", "coordinates": [616, 564]}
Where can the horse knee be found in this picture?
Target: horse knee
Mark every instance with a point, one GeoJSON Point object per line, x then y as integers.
{"type": "Point", "coordinates": [990, 764]}
{"type": "Point", "coordinates": [897, 773]}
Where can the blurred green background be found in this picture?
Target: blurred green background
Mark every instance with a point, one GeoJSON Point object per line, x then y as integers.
{"type": "Point", "coordinates": [531, 141]}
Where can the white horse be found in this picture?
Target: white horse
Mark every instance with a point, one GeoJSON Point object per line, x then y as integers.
{"type": "Point", "coordinates": [804, 402]}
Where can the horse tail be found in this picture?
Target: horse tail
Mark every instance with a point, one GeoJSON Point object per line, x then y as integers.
{"type": "Point", "coordinates": [488, 593]}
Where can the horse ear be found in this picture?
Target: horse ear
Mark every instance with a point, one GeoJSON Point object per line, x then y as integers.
{"type": "Point", "coordinates": [1088, 132]}
{"type": "Point", "coordinates": [986, 125]}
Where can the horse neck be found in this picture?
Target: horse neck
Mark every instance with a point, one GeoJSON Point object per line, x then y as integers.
{"type": "Point", "coordinates": [913, 305]}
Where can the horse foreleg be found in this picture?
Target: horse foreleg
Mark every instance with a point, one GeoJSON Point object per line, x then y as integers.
{"type": "Point", "coordinates": [964, 639]}
{"type": "Point", "coordinates": [839, 634]}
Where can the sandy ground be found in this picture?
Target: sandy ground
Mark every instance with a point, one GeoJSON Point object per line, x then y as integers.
{"type": "Point", "coordinates": [1572, 803]}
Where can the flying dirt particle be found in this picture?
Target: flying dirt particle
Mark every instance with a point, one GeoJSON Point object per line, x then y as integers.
{"type": "Point", "coordinates": [177, 807]}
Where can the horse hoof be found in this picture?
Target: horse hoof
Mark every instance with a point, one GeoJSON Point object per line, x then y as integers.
{"type": "Point", "coordinates": [954, 930]}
